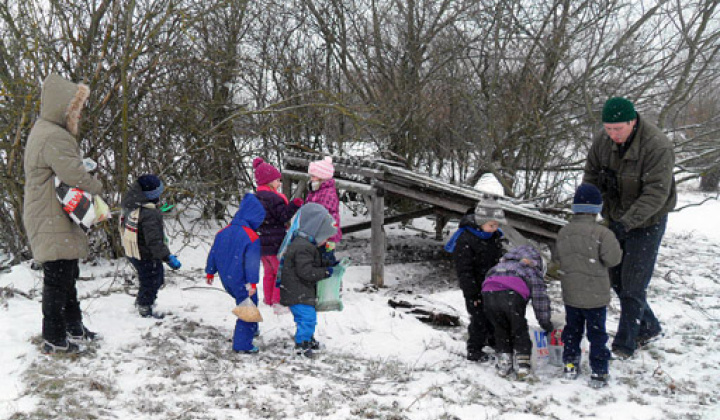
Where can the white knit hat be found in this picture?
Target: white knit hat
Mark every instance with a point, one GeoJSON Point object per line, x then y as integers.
{"type": "Point", "coordinates": [322, 169]}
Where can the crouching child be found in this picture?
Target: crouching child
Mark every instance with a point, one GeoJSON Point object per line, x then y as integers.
{"type": "Point", "coordinates": [507, 288]}
{"type": "Point", "coordinates": [235, 255]}
{"type": "Point", "coordinates": [302, 267]}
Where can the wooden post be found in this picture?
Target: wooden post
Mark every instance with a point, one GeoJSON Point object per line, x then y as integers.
{"type": "Point", "coordinates": [440, 222]}
{"type": "Point", "coordinates": [377, 236]}
{"type": "Point", "coordinates": [286, 185]}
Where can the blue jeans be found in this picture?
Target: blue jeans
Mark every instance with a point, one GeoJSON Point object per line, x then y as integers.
{"type": "Point", "coordinates": [631, 278]}
{"type": "Point", "coordinates": [305, 320]}
{"type": "Point", "coordinates": [152, 276]}
{"type": "Point", "coordinates": [576, 319]}
{"type": "Point", "coordinates": [244, 331]}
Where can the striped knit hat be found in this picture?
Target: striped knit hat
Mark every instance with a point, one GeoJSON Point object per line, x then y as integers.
{"type": "Point", "coordinates": [151, 186]}
{"type": "Point", "coordinates": [587, 200]}
{"type": "Point", "coordinates": [322, 169]}
{"type": "Point", "coordinates": [487, 210]}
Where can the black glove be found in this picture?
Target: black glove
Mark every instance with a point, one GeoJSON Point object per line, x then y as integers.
{"type": "Point", "coordinates": [547, 326]}
{"type": "Point", "coordinates": [329, 258]}
{"type": "Point", "coordinates": [607, 182]}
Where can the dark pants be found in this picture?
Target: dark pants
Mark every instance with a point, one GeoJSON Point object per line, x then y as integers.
{"type": "Point", "coordinates": [576, 320]}
{"type": "Point", "coordinates": [152, 277]}
{"type": "Point", "coordinates": [630, 280]}
{"type": "Point", "coordinates": [506, 312]}
{"type": "Point", "coordinates": [60, 305]}
{"type": "Point", "coordinates": [480, 330]}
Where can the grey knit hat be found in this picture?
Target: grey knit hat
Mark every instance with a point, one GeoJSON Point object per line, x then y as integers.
{"type": "Point", "coordinates": [488, 209]}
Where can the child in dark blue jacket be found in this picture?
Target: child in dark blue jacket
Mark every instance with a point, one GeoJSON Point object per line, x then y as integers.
{"type": "Point", "coordinates": [235, 255]}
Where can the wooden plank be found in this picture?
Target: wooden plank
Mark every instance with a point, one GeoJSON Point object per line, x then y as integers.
{"type": "Point", "coordinates": [340, 168]}
{"type": "Point", "coordinates": [390, 220]}
{"type": "Point", "coordinates": [459, 206]}
{"type": "Point", "coordinates": [377, 238]}
{"type": "Point", "coordinates": [340, 183]}
{"type": "Point", "coordinates": [531, 228]}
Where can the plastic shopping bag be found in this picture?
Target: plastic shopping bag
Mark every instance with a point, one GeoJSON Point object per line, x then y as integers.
{"type": "Point", "coordinates": [82, 207]}
{"type": "Point", "coordinates": [328, 290]}
{"type": "Point", "coordinates": [541, 352]}
{"type": "Point", "coordinates": [77, 203]}
{"type": "Point", "coordinates": [247, 311]}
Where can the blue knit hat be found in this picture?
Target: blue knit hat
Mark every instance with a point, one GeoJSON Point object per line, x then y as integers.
{"type": "Point", "coordinates": [151, 186]}
{"type": "Point", "coordinates": [587, 199]}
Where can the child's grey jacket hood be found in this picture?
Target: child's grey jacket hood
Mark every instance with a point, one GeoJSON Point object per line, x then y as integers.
{"type": "Point", "coordinates": [315, 221]}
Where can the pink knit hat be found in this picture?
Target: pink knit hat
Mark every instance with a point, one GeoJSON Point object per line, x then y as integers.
{"type": "Point", "coordinates": [322, 169]}
{"type": "Point", "coordinates": [265, 173]}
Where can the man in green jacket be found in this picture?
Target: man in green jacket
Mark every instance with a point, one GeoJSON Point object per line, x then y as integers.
{"type": "Point", "coordinates": [631, 161]}
{"type": "Point", "coordinates": [56, 242]}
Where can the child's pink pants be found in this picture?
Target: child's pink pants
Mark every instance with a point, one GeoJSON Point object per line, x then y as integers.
{"type": "Point", "coordinates": [271, 294]}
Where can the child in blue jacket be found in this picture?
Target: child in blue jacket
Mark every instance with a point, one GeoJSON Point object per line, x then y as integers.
{"type": "Point", "coordinates": [235, 255]}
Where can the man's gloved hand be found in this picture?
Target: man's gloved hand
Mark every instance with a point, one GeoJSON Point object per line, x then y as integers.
{"type": "Point", "coordinates": [209, 278]}
{"type": "Point", "coordinates": [173, 262]}
{"type": "Point", "coordinates": [298, 201]}
{"type": "Point", "coordinates": [328, 271]}
{"type": "Point", "coordinates": [547, 326]}
{"type": "Point", "coordinates": [607, 182]}
{"type": "Point", "coordinates": [620, 230]}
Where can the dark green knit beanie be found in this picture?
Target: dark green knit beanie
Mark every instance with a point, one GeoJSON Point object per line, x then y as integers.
{"type": "Point", "coordinates": [618, 110]}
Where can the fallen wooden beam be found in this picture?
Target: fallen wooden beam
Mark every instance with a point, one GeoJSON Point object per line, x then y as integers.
{"type": "Point", "coordinates": [389, 220]}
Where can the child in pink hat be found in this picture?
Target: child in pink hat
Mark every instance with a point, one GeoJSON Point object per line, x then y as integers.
{"type": "Point", "coordinates": [278, 212]}
{"type": "Point", "coordinates": [323, 192]}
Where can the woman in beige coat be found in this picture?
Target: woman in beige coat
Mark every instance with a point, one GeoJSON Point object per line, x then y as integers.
{"type": "Point", "coordinates": [56, 242]}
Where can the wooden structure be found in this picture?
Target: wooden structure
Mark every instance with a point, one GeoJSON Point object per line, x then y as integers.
{"type": "Point", "coordinates": [376, 179]}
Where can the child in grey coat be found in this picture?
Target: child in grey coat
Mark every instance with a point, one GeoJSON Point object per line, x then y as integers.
{"type": "Point", "coordinates": [586, 250]}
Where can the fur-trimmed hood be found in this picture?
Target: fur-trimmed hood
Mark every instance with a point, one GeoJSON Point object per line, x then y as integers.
{"type": "Point", "coordinates": [62, 102]}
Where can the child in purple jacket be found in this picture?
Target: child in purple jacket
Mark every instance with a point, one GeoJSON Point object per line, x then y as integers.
{"type": "Point", "coordinates": [323, 192]}
{"type": "Point", "coordinates": [278, 212]}
{"type": "Point", "coordinates": [507, 288]}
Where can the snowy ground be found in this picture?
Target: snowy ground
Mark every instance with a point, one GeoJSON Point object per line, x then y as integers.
{"type": "Point", "coordinates": [378, 363]}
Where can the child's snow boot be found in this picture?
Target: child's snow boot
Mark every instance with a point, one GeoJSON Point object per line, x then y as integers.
{"type": "Point", "coordinates": [304, 349]}
{"type": "Point", "coordinates": [504, 365]}
{"type": "Point", "coordinates": [253, 350]}
{"type": "Point", "coordinates": [598, 380]}
{"type": "Point", "coordinates": [478, 356]}
{"type": "Point", "coordinates": [571, 370]}
{"type": "Point", "coordinates": [314, 344]}
{"type": "Point", "coordinates": [523, 365]}
{"type": "Point", "coordinates": [146, 311]}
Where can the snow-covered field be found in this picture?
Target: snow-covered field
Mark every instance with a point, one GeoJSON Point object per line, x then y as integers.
{"type": "Point", "coordinates": [378, 362]}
